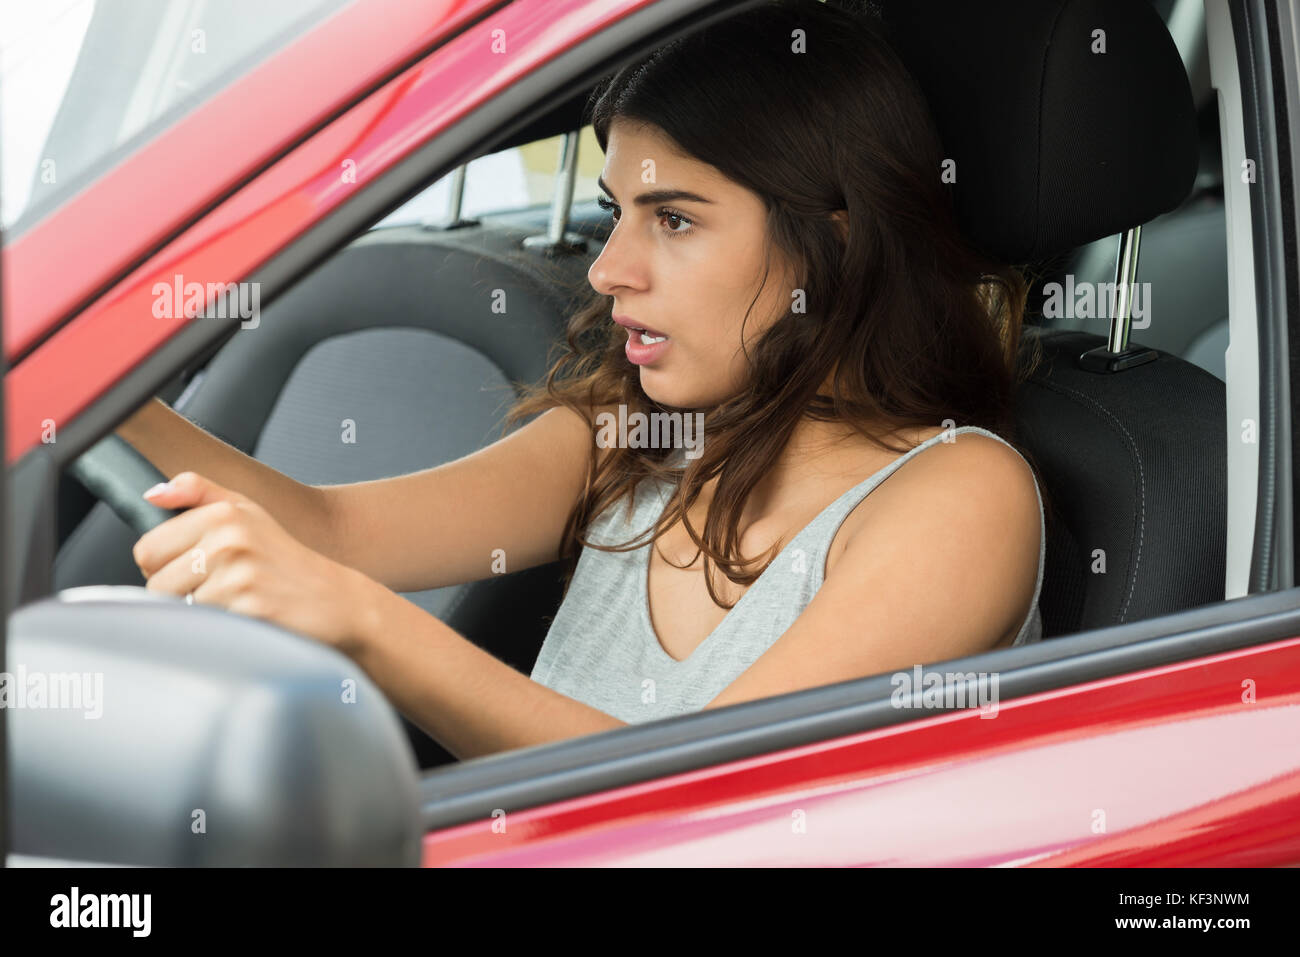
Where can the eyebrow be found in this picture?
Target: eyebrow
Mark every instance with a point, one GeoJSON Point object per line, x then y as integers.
{"type": "Point", "coordinates": [658, 195]}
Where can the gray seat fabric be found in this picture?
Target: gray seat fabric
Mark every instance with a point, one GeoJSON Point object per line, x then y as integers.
{"type": "Point", "coordinates": [384, 402]}
{"type": "Point", "coordinates": [398, 333]}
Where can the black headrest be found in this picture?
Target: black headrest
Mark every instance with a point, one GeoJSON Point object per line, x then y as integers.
{"type": "Point", "coordinates": [1056, 143]}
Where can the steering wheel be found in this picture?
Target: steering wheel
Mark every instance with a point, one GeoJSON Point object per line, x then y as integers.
{"type": "Point", "coordinates": [115, 473]}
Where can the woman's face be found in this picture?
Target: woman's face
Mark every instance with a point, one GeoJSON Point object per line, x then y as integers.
{"type": "Point", "coordinates": [686, 261]}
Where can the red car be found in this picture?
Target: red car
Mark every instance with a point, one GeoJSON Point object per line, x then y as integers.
{"type": "Point", "coordinates": [1156, 724]}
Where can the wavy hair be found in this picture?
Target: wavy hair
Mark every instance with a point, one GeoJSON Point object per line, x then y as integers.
{"type": "Point", "coordinates": [917, 326]}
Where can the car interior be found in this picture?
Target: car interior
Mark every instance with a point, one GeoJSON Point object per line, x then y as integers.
{"type": "Point", "coordinates": [395, 332]}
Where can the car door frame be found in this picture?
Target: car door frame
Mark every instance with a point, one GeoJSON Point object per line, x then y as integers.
{"type": "Point", "coordinates": [1261, 31]}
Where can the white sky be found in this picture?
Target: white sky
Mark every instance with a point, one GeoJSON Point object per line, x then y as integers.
{"type": "Point", "coordinates": [39, 41]}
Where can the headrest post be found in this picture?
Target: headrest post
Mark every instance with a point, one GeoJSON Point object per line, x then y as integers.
{"type": "Point", "coordinates": [557, 239]}
{"type": "Point", "coordinates": [455, 203]}
{"type": "Point", "coordinates": [1117, 355]}
{"type": "Point", "coordinates": [457, 192]}
{"type": "Point", "coordinates": [1121, 313]}
{"type": "Point", "coordinates": [565, 175]}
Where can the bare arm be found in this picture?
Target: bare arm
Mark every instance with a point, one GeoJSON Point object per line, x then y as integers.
{"type": "Point", "coordinates": [174, 444]}
{"type": "Point", "coordinates": [444, 525]}
{"type": "Point", "coordinates": [440, 526]}
{"type": "Point", "coordinates": [469, 701]}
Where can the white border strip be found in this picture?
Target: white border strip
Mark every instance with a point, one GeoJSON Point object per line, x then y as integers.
{"type": "Point", "coordinates": [1241, 358]}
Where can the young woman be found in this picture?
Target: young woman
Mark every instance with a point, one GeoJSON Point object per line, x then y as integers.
{"type": "Point", "coordinates": [784, 265]}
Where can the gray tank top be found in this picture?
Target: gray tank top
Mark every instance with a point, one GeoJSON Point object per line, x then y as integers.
{"type": "Point", "coordinates": [602, 650]}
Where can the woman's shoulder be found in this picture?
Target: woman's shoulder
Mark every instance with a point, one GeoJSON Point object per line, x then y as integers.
{"type": "Point", "coordinates": [967, 504]}
{"type": "Point", "coordinates": [967, 470]}
{"type": "Point", "coordinates": [978, 462]}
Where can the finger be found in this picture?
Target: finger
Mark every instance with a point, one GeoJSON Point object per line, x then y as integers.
{"type": "Point", "coordinates": [179, 535]}
{"type": "Point", "coordinates": [216, 560]}
{"type": "Point", "coordinates": [179, 577]}
{"type": "Point", "coordinates": [189, 490]}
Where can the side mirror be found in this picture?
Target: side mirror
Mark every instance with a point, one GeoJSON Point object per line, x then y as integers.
{"type": "Point", "coordinates": [145, 731]}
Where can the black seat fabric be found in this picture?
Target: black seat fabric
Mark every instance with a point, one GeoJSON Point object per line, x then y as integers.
{"type": "Point", "coordinates": [1137, 485]}
{"type": "Point", "coordinates": [1058, 145]}
{"type": "Point", "coordinates": [1183, 255]}
{"type": "Point", "coordinates": [1054, 144]}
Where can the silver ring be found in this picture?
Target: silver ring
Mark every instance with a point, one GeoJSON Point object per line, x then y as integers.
{"type": "Point", "coordinates": [189, 599]}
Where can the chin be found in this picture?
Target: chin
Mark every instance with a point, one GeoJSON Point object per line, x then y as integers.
{"type": "Point", "coordinates": [665, 388]}
{"type": "Point", "coordinates": [670, 391]}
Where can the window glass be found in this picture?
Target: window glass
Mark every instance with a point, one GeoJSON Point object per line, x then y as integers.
{"type": "Point", "coordinates": [512, 179]}
{"type": "Point", "coordinates": [84, 81]}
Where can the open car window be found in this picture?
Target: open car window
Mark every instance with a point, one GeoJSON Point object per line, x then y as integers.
{"type": "Point", "coordinates": [417, 295]}
{"type": "Point", "coordinates": [522, 177]}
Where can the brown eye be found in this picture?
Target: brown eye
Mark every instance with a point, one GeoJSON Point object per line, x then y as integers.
{"type": "Point", "coordinates": [676, 219]}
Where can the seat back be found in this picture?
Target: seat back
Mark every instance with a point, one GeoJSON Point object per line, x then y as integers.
{"type": "Point", "coordinates": [1135, 485]}
{"type": "Point", "coordinates": [1069, 121]}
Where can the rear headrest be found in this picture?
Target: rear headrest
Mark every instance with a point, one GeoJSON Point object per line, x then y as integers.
{"type": "Point", "coordinates": [1068, 120]}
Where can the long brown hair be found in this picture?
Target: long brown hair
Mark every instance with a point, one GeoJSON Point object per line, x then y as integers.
{"type": "Point", "coordinates": [917, 327]}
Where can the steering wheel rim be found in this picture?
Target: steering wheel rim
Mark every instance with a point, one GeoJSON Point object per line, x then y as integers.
{"type": "Point", "coordinates": [115, 473]}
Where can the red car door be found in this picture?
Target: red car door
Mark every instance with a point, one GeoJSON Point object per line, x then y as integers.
{"type": "Point", "coordinates": [1160, 742]}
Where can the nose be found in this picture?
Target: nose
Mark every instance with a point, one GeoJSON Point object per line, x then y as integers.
{"type": "Point", "coordinates": [618, 267]}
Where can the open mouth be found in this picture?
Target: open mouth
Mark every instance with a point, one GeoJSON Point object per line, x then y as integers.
{"type": "Point", "coordinates": [645, 346]}
{"type": "Point", "coordinates": [648, 338]}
